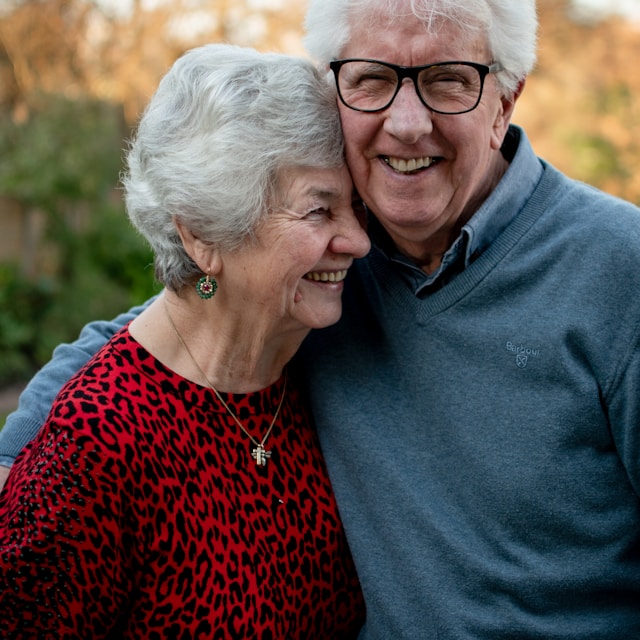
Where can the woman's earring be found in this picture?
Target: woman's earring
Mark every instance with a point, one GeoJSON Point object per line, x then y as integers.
{"type": "Point", "coordinates": [206, 287]}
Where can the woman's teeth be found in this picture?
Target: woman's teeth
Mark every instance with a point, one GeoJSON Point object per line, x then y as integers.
{"type": "Point", "coordinates": [326, 276]}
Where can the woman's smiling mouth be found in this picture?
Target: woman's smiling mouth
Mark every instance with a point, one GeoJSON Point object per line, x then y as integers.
{"type": "Point", "coordinates": [326, 276]}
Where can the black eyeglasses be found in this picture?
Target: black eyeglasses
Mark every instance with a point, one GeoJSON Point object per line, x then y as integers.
{"type": "Point", "coordinates": [445, 87]}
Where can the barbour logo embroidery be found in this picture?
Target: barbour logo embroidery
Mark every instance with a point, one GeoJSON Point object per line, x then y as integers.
{"type": "Point", "coordinates": [522, 353]}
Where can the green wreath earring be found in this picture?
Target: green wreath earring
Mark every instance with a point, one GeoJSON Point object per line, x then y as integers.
{"type": "Point", "coordinates": [206, 287]}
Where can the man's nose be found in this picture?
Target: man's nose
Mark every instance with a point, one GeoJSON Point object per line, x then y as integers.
{"type": "Point", "coordinates": [406, 118]}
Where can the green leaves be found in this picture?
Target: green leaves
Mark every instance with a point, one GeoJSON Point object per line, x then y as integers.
{"type": "Point", "coordinates": [64, 161]}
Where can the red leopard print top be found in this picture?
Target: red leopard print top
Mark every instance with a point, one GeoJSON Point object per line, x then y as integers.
{"type": "Point", "coordinates": [138, 512]}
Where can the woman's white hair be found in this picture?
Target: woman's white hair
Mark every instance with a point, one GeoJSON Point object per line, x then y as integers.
{"type": "Point", "coordinates": [510, 27]}
{"type": "Point", "coordinates": [210, 145]}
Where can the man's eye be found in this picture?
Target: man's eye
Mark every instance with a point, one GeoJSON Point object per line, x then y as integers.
{"type": "Point", "coordinates": [377, 75]}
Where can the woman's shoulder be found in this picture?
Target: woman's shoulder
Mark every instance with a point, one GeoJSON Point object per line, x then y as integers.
{"type": "Point", "coordinates": [117, 392]}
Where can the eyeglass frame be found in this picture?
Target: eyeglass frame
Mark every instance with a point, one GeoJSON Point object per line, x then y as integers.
{"type": "Point", "coordinates": [403, 72]}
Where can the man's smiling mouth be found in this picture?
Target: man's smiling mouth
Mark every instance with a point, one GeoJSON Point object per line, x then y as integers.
{"type": "Point", "coordinates": [408, 166]}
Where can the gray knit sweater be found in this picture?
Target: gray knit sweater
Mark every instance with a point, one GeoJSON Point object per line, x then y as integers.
{"type": "Point", "coordinates": [484, 439]}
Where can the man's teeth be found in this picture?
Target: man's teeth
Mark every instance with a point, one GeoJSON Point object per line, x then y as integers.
{"type": "Point", "coordinates": [327, 276]}
{"type": "Point", "coordinates": [407, 166]}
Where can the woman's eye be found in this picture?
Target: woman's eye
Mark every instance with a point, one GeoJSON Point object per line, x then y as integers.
{"type": "Point", "coordinates": [320, 211]}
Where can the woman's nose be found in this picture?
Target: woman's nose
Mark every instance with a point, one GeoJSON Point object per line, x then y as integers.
{"type": "Point", "coordinates": [351, 238]}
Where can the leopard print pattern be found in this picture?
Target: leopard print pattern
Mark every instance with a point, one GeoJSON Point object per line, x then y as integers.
{"type": "Point", "coordinates": [138, 512]}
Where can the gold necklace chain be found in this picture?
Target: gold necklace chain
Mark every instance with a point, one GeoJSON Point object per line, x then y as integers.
{"type": "Point", "coordinates": [258, 454]}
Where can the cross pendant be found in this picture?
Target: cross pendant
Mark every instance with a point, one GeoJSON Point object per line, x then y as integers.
{"type": "Point", "coordinates": [260, 455]}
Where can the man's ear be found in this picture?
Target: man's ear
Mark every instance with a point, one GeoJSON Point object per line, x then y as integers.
{"type": "Point", "coordinates": [503, 117]}
{"type": "Point", "coordinates": [509, 103]}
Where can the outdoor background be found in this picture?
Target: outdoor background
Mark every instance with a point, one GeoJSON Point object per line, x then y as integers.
{"type": "Point", "coordinates": [75, 75]}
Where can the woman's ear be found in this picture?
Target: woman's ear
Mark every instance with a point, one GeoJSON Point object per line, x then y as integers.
{"type": "Point", "coordinates": [204, 254]}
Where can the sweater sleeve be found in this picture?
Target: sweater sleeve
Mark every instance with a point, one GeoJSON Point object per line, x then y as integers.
{"type": "Point", "coordinates": [63, 564]}
{"type": "Point", "coordinates": [36, 399]}
{"type": "Point", "coordinates": [623, 406]}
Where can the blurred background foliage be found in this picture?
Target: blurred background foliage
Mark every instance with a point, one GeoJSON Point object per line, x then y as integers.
{"type": "Point", "coordinates": [75, 75]}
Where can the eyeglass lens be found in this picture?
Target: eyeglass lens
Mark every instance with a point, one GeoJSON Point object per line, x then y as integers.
{"type": "Point", "coordinates": [447, 88]}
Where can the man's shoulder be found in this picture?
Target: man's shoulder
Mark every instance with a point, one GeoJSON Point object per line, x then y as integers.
{"type": "Point", "coordinates": [589, 208]}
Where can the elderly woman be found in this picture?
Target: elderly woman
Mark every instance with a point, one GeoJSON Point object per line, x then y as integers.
{"type": "Point", "coordinates": [177, 488]}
